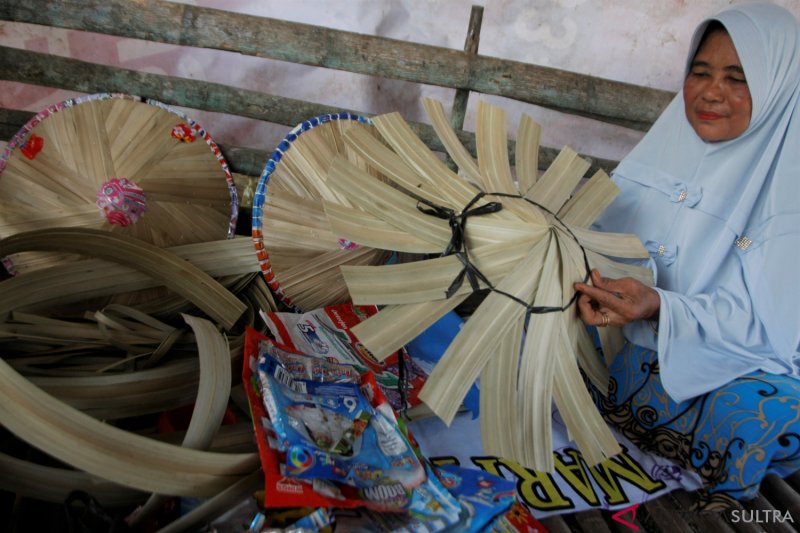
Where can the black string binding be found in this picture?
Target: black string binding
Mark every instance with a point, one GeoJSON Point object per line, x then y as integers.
{"type": "Point", "coordinates": [457, 246]}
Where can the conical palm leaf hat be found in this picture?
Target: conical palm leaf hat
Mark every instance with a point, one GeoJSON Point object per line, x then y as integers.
{"type": "Point", "coordinates": [118, 163]}
{"type": "Point", "coordinates": [299, 253]}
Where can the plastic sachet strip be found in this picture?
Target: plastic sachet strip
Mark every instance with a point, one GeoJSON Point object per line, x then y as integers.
{"type": "Point", "coordinates": [330, 431]}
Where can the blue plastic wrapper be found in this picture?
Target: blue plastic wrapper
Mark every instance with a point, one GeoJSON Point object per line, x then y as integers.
{"type": "Point", "coordinates": [482, 496]}
{"type": "Point", "coordinates": [330, 431]}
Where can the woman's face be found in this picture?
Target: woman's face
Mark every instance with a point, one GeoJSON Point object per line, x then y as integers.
{"type": "Point", "coordinates": [715, 93]}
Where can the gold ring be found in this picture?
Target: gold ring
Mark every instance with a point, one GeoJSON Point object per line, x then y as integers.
{"type": "Point", "coordinates": [605, 320]}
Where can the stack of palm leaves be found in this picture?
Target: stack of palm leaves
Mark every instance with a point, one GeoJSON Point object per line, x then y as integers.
{"type": "Point", "coordinates": [103, 198]}
{"type": "Point", "coordinates": [520, 235]}
{"type": "Point", "coordinates": [74, 378]}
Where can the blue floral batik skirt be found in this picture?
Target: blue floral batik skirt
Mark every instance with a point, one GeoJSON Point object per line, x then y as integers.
{"type": "Point", "coordinates": [732, 437]}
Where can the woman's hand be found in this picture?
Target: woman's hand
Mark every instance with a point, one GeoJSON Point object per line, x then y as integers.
{"type": "Point", "coordinates": [615, 302]}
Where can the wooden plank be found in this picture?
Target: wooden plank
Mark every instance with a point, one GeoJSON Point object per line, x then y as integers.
{"type": "Point", "coordinates": [781, 495]}
{"type": "Point", "coordinates": [71, 74]}
{"type": "Point", "coordinates": [593, 521]}
{"type": "Point", "coordinates": [555, 524]}
{"type": "Point", "coordinates": [699, 521]}
{"type": "Point", "coordinates": [762, 512]}
{"type": "Point", "coordinates": [53, 71]}
{"type": "Point", "coordinates": [188, 25]}
{"type": "Point", "coordinates": [11, 120]}
{"type": "Point", "coordinates": [794, 481]}
{"type": "Point", "coordinates": [660, 515]}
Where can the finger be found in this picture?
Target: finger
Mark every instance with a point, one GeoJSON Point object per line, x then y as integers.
{"type": "Point", "coordinates": [609, 284]}
{"type": "Point", "coordinates": [592, 314]}
{"type": "Point", "coordinates": [585, 310]}
{"type": "Point", "coordinates": [614, 287]}
{"type": "Point", "coordinates": [602, 296]}
{"type": "Point", "coordinates": [588, 313]}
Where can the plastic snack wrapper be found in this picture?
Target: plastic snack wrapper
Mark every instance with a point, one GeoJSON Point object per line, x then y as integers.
{"type": "Point", "coordinates": [518, 519]}
{"type": "Point", "coordinates": [362, 456]}
{"type": "Point", "coordinates": [325, 333]}
{"type": "Point", "coordinates": [433, 509]}
{"type": "Point", "coordinates": [482, 496]}
{"type": "Point", "coordinates": [479, 502]}
{"type": "Point", "coordinates": [318, 520]}
{"type": "Point", "coordinates": [330, 431]}
{"type": "Point", "coordinates": [329, 439]}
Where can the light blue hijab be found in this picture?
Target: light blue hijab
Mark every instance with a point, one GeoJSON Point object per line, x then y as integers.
{"type": "Point", "coordinates": [722, 220]}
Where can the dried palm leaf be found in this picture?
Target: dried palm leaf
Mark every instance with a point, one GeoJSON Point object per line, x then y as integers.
{"type": "Point", "coordinates": [131, 463]}
{"type": "Point", "coordinates": [492, 146]}
{"type": "Point", "coordinates": [499, 397]}
{"type": "Point", "coordinates": [472, 348]}
{"type": "Point", "coordinates": [174, 272]}
{"type": "Point", "coordinates": [218, 505]}
{"type": "Point", "coordinates": [527, 163]}
{"type": "Point", "coordinates": [110, 452]}
{"type": "Point", "coordinates": [459, 154]}
{"type": "Point", "coordinates": [396, 325]}
{"type": "Point", "coordinates": [52, 484]}
{"type": "Point", "coordinates": [212, 397]}
{"type": "Point", "coordinates": [529, 270]}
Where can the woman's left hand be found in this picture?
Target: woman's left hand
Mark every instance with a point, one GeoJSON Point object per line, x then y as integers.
{"type": "Point", "coordinates": [615, 302]}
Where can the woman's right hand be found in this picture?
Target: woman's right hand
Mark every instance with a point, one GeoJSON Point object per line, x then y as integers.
{"type": "Point", "coordinates": [615, 302]}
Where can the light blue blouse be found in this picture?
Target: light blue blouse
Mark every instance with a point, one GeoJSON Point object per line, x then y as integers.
{"type": "Point", "coordinates": [722, 221]}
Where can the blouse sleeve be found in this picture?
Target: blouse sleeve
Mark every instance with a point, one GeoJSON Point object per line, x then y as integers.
{"type": "Point", "coordinates": [751, 321]}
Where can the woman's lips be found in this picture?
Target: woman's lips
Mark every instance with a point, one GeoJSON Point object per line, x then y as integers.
{"type": "Point", "coordinates": [708, 115]}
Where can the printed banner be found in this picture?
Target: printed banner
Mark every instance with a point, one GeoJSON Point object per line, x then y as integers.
{"type": "Point", "coordinates": [628, 479]}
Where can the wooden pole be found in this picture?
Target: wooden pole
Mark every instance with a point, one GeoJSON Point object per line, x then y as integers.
{"type": "Point", "coordinates": [470, 47]}
{"type": "Point", "coordinates": [187, 25]}
{"type": "Point", "coordinates": [53, 71]}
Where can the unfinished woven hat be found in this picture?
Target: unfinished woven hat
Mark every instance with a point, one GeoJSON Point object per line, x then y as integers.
{"type": "Point", "coordinates": [522, 237]}
{"type": "Point", "coordinates": [119, 163]}
{"type": "Point", "coordinates": [299, 253]}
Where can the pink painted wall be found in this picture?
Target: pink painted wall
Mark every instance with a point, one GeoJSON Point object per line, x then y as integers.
{"type": "Point", "coordinates": [636, 41]}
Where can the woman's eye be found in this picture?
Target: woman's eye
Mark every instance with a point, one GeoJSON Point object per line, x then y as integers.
{"type": "Point", "coordinates": [738, 80]}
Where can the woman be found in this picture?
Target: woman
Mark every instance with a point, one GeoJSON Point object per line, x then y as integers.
{"type": "Point", "coordinates": [712, 191]}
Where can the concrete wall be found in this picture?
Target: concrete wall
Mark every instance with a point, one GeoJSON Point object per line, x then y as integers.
{"type": "Point", "coordinates": [638, 41]}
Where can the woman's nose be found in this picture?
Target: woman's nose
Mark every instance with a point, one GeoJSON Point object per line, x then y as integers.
{"type": "Point", "coordinates": [713, 91]}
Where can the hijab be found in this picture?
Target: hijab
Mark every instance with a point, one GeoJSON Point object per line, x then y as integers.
{"type": "Point", "coordinates": [748, 191]}
{"type": "Point", "coordinates": [747, 173]}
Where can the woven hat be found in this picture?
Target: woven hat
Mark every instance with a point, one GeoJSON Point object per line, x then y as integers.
{"type": "Point", "coordinates": [118, 163]}
{"type": "Point", "coordinates": [299, 253]}
{"type": "Point", "coordinates": [522, 236]}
